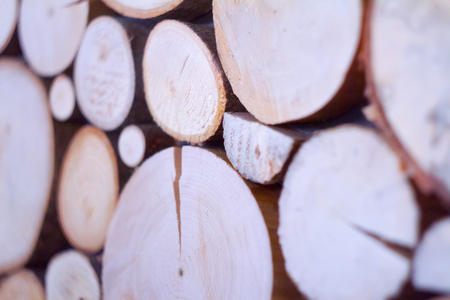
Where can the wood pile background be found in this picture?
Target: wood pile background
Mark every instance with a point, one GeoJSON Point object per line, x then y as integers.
{"type": "Point", "coordinates": [198, 149]}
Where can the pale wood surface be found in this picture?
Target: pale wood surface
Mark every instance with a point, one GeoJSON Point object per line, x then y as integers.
{"type": "Point", "coordinates": [88, 189]}
{"type": "Point", "coordinates": [21, 285]}
{"type": "Point", "coordinates": [50, 32]}
{"type": "Point", "coordinates": [287, 59]}
{"type": "Point", "coordinates": [62, 97]}
{"type": "Point", "coordinates": [187, 226]}
{"type": "Point", "coordinates": [345, 196]}
{"type": "Point", "coordinates": [26, 161]}
{"type": "Point", "coordinates": [70, 276]}
{"type": "Point", "coordinates": [9, 10]}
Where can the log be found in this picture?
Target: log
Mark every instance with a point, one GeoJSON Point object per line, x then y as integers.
{"type": "Point", "coordinates": [70, 276]}
{"type": "Point", "coordinates": [174, 9]}
{"type": "Point", "coordinates": [21, 285]}
{"type": "Point", "coordinates": [26, 161]}
{"type": "Point", "coordinates": [88, 189]}
{"type": "Point", "coordinates": [348, 217]}
{"type": "Point", "coordinates": [9, 10]}
{"type": "Point", "coordinates": [106, 82]}
{"type": "Point", "coordinates": [62, 98]}
{"type": "Point", "coordinates": [136, 143]}
{"type": "Point", "coordinates": [278, 62]}
{"type": "Point", "coordinates": [407, 84]}
{"type": "Point", "coordinates": [187, 226]}
{"type": "Point", "coordinates": [431, 264]}
{"type": "Point", "coordinates": [258, 152]}
{"type": "Point", "coordinates": [50, 32]}
{"type": "Point", "coordinates": [185, 87]}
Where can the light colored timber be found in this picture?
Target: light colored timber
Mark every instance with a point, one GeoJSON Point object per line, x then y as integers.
{"type": "Point", "coordinates": [187, 226]}
{"type": "Point", "coordinates": [88, 189]}
{"type": "Point", "coordinates": [62, 98]}
{"type": "Point", "coordinates": [70, 276]}
{"type": "Point", "coordinates": [131, 145]}
{"type": "Point", "coordinates": [278, 62]}
{"type": "Point", "coordinates": [345, 196]}
{"type": "Point", "coordinates": [144, 9]}
{"type": "Point", "coordinates": [21, 285]}
{"type": "Point", "coordinates": [185, 87]}
{"type": "Point", "coordinates": [50, 32]}
{"type": "Point", "coordinates": [9, 11]}
{"type": "Point", "coordinates": [407, 45]}
{"type": "Point", "coordinates": [26, 161]}
{"type": "Point", "coordinates": [107, 72]}
{"type": "Point", "coordinates": [431, 269]}
{"type": "Point", "coordinates": [258, 152]}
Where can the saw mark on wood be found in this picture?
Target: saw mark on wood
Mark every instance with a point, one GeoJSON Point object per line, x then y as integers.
{"type": "Point", "coordinates": [176, 189]}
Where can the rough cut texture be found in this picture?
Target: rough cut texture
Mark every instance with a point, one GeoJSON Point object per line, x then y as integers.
{"type": "Point", "coordinates": [345, 193]}
{"type": "Point", "coordinates": [407, 62]}
{"type": "Point", "coordinates": [187, 227]}
{"type": "Point", "coordinates": [286, 60]}
{"type": "Point", "coordinates": [26, 161]}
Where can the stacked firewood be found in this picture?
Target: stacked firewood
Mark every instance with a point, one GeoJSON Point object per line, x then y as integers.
{"type": "Point", "coordinates": [198, 149]}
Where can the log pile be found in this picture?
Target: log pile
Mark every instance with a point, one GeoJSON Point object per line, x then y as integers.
{"type": "Point", "coordinates": [223, 149]}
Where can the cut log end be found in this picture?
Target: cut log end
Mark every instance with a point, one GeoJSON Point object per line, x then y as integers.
{"type": "Point", "coordinates": [62, 98]}
{"type": "Point", "coordinates": [256, 151]}
{"type": "Point", "coordinates": [25, 179]}
{"type": "Point", "coordinates": [132, 145]}
{"type": "Point", "coordinates": [345, 202]}
{"type": "Point", "coordinates": [104, 74]}
{"type": "Point", "coordinates": [70, 275]}
{"type": "Point", "coordinates": [431, 270]}
{"type": "Point", "coordinates": [408, 80]}
{"type": "Point", "coordinates": [8, 18]}
{"type": "Point", "coordinates": [200, 233]}
{"type": "Point", "coordinates": [275, 57]}
{"type": "Point", "coordinates": [185, 9]}
{"type": "Point", "coordinates": [50, 32]}
{"type": "Point", "coordinates": [21, 285]}
{"type": "Point", "coordinates": [88, 189]}
{"type": "Point", "coordinates": [183, 82]}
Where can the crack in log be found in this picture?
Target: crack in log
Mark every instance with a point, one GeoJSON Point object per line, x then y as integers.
{"type": "Point", "coordinates": [176, 189]}
{"type": "Point", "coordinates": [399, 249]}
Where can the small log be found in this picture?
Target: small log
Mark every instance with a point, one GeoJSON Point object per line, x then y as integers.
{"type": "Point", "coordinates": [139, 142]}
{"type": "Point", "coordinates": [50, 33]}
{"type": "Point", "coordinates": [258, 152]}
{"type": "Point", "coordinates": [348, 217]}
{"type": "Point", "coordinates": [88, 189]}
{"type": "Point", "coordinates": [26, 161]}
{"type": "Point", "coordinates": [71, 276]}
{"type": "Point", "coordinates": [185, 87]}
{"type": "Point", "coordinates": [9, 10]}
{"type": "Point", "coordinates": [21, 285]}
{"type": "Point", "coordinates": [408, 83]}
{"type": "Point", "coordinates": [431, 265]}
{"type": "Point", "coordinates": [187, 226]}
{"type": "Point", "coordinates": [62, 98]}
{"type": "Point", "coordinates": [173, 9]}
{"type": "Point", "coordinates": [278, 64]}
{"type": "Point", "coordinates": [107, 73]}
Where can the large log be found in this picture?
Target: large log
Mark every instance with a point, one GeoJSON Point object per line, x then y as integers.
{"type": "Point", "coordinates": [50, 32]}
{"type": "Point", "coordinates": [9, 10]}
{"type": "Point", "coordinates": [21, 285]}
{"type": "Point", "coordinates": [70, 276]}
{"type": "Point", "coordinates": [178, 9]}
{"type": "Point", "coordinates": [26, 161]}
{"type": "Point", "coordinates": [107, 72]}
{"type": "Point", "coordinates": [187, 226]}
{"type": "Point", "coordinates": [406, 50]}
{"type": "Point", "coordinates": [432, 259]}
{"type": "Point", "coordinates": [258, 152]}
{"type": "Point", "coordinates": [88, 189]}
{"type": "Point", "coordinates": [346, 210]}
{"type": "Point", "coordinates": [185, 87]}
{"type": "Point", "coordinates": [291, 60]}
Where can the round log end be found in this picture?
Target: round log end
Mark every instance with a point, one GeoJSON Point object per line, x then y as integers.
{"type": "Point", "coordinates": [131, 145]}
{"type": "Point", "coordinates": [62, 98]}
{"type": "Point", "coordinates": [9, 10]}
{"type": "Point", "coordinates": [21, 285]}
